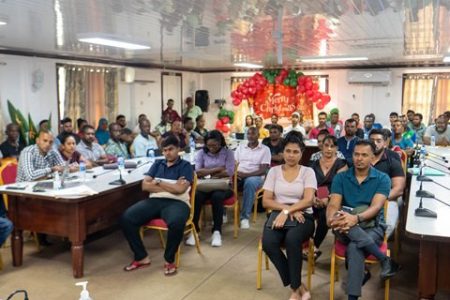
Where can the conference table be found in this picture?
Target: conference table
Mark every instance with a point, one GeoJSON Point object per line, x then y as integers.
{"type": "Point", "coordinates": [433, 234]}
{"type": "Point", "coordinates": [76, 212]}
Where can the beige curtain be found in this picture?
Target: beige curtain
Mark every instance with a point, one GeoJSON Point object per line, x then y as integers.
{"type": "Point", "coordinates": [91, 93]}
{"type": "Point", "coordinates": [417, 95]}
{"type": "Point", "coordinates": [442, 97]}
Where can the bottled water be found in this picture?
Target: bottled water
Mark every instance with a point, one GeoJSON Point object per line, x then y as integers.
{"type": "Point", "coordinates": [151, 154]}
{"type": "Point", "coordinates": [56, 181]}
{"type": "Point", "coordinates": [121, 163]}
{"type": "Point", "coordinates": [192, 150]}
{"type": "Point", "coordinates": [83, 171]}
{"type": "Point", "coordinates": [433, 141]}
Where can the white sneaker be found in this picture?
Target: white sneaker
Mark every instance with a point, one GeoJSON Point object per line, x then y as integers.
{"type": "Point", "coordinates": [225, 218]}
{"type": "Point", "coordinates": [216, 239]}
{"type": "Point", "coordinates": [245, 224]}
{"type": "Point", "coordinates": [190, 240]}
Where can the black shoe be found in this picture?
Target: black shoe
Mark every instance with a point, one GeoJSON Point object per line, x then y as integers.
{"type": "Point", "coordinates": [367, 276]}
{"type": "Point", "coordinates": [388, 268]}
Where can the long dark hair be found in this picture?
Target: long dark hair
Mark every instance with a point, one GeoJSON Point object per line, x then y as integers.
{"type": "Point", "coordinates": [217, 136]}
{"type": "Point", "coordinates": [294, 137]}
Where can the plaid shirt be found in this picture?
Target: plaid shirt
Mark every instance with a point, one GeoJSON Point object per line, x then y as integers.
{"type": "Point", "coordinates": [33, 165]}
{"type": "Point", "coordinates": [117, 149]}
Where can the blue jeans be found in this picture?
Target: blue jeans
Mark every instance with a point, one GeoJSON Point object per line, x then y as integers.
{"type": "Point", "coordinates": [249, 187]}
{"type": "Point", "coordinates": [5, 229]}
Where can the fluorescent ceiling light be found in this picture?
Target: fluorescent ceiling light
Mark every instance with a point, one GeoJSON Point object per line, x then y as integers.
{"type": "Point", "coordinates": [248, 65]}
{"type": "Point", "coordinates": [446, 59]}
{"type": "Point", "coordinates": [332, 59]}
{"type": "Point", "coordinates": [110, 40]}
{"type": "Point", "coordinates": [3, 23]}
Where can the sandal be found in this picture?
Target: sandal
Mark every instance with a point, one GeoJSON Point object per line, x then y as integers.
{"type": "Point", "coordinates": [170, 269]}
{"type": "Point", "coordinates": [136, 265]}
{"type": "Point", "coordinates": [317, 254]}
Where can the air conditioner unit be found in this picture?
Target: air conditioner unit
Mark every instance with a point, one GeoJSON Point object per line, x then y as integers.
{"type": "Point", "coordinates": [373, 77]}
{"type": "Point", "coordinates": [132, 75]}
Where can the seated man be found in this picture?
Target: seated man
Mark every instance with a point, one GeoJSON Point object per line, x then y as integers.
{"type": "Point", "coordinates": [400, 140]}
{"type": "Point", "coordinates": [12, 146]}
{"type": "Point", "coordinates": [115, 146]}
{"type": "Point", "coordinates": [177, 131]}
{"type": "Point", "coordinates": [168, 182]}
{"type": "Point", "coordinates": [144, 141]}
{"type": "Point", "coordinates": [190, 132]}
{"type": "Point", "coordinates": [388, 162]}
{"type": "Point", "coordinates": [254, 160]}
{"type": "Point", "coordinates": [346, 143]}
{"type": "Point", "coordinates": [39, 160]}
{"type": "Point", "coordinates": [274, 142]}
{"type": "Point", "coordinates": [361, 189]}
{"type": "Point", "coordinates": [322, 126]}
{"type": "Point", "coordinates": [91, 150]}
{"type": "Point", "coordinates": [440, 131]}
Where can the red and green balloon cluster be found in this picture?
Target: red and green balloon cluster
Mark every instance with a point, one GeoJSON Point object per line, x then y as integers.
{"type": "Point", "coordinates": [304, 85]}
{"type": "Point", "coordinates": [226, 118]}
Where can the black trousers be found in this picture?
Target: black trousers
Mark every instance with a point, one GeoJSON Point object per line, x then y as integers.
{"type": "Point", "coordinates": [174, 212]}
{"type": "Point", "coordinates": [289, 266]}
{"type": "Point", "coordinates": [216, 198]}
{"type": "Point", "coordinates": [320, 214]}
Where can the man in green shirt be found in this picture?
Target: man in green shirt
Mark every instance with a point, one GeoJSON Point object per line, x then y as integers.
{"type": "Point", "coordinates": [192, 110]}
{"type": "Point", "coordinates": [115, 146]}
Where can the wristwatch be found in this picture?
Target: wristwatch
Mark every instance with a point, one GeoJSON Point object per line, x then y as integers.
{"type": "Point", "coordinates": [359, 219]}
{"type": "Point", "coordinates": [285, 211]}
{"type": "Point", "coordinates": [157, 181]}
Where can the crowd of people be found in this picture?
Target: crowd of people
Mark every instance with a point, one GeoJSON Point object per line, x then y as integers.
{"type": "Point", "coordinates": [343, 187]}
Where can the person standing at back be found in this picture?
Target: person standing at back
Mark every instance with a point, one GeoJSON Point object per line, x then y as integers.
{"type": "Point", "coordinates": [170, 114]}
{"type": "Point", "coordinates": [192, 110]}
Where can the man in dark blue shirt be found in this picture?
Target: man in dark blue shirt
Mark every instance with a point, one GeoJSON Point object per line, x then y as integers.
{"type": "Point", "coordinates": [168, 182]}
{"type": "Point", "coordinates": [355, 212]}
{"type": "Point", "coordinates": [346, 143]}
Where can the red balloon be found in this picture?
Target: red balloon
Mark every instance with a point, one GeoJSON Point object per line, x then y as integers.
{"type": "Point", "coordinates": [225, 120]}
{"type": "Point", "coordinates": [320, 105]}
{"type": "Point", "coordinates": [315, 87]}
{"type": "Point", "coordinates": [236, 102]}
{"type": "Point", "coordinates": [308, 85]}
{"type": "Point", "coordinates": [245, 91]}
{"type": "Point", "coordinates": [233, 94]}
{"type": "Point", "coordinates": [301, 89]}
{"type": "Point", "coordinates": [225, 129]}
{"type": "Point", "coordinates": [309, 94]}
{"type": "Point", "coordinates": [246, 83]}
{"type": "Point", "coordinates": [219, 123]}
{"type": "Point", "coordinates": [308, 79]}
{"type": "Point", "coordinates": [326, 98]}
{"type": "Point", "coordinates": [301, 80]}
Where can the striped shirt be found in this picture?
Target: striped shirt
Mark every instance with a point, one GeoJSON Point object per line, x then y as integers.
{"type": "Point", "coordinates": [34, 165]}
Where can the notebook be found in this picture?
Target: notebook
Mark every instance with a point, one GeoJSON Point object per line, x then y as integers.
{"type": "Point", "coordinates": [273, 215]}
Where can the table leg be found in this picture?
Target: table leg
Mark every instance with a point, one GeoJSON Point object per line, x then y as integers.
{"type": "Point", "coordinates": [77, 258]}
{"type": "Point", "coordinates": [17, 247]}
{"type": "Point", "coordinates": [427, 270]}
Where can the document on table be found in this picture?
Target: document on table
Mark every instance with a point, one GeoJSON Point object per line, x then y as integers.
{"type": "Point", "coordinates": [73, 192]}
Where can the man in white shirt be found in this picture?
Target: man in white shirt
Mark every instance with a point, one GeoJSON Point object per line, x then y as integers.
{"type": "Point", "coordinates": [440, 131]}
{"type": "Point", "coordinates": [295, 125]}
{"type": "Point", "coordinates": [254, 160]}
{"type": "Point", "coordinates": [144, 142]}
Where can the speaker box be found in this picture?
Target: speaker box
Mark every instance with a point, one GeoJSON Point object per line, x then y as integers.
{"type": "Point", "coordinates": [202, 99]}
{"type": "Point", "coordinates": [201, 36]}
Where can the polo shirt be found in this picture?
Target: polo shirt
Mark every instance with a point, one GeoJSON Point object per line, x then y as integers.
{"type": "Point", "coordinates": [142, 144]}
{"type": "Point", "coordinates": [250, 159]}
{"type": "Point", "coordinates": [92, 153]}
{"type": "Point", "coordinates": [390, 164]}
{"type": "Point", "coordinates": [181, 168]}
{"type": "Point", "coordinates": [431, 131]}
{"type": "Point", "coordinates": [315, 132]}
{"type": "Point", "coordinates": [355, 194]}
{"type": "Point", "coordinates": [346, 147]}
{"type": "Point", "coordinates": [403, 143]}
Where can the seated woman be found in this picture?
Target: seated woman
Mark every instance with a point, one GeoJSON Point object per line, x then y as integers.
{"type": "Point", "coordinates": [215, 160]}
{"type": "Point", "coordinates": [325, 169]}
{"type": "Point", "coordinates": [168, 181]}
{"type": "Point", "coordinates": [289, 192]}
{"type": "Point", "coordinates": [69, 154]}
{"type": "Point", "coordinates": [200, 128]}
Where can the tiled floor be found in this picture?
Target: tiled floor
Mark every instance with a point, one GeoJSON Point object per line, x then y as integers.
{"type": "Point", "coordinates": [228, 272]}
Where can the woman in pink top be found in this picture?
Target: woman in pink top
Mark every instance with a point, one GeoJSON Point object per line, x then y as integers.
{"type": "Point", "coordinates": [289, 192]}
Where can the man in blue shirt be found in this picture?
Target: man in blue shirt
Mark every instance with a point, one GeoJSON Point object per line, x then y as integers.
{"type": "Point", "coordinates": [369, 124]}
{"type": "Point", "coordinates": [168, 182]}
{"type": "Point", "coordinates": [364, 189]}
{"type": "Point", "coordinates": [398, 139]}
{"type": "Point", "coordinates": [346, 143]}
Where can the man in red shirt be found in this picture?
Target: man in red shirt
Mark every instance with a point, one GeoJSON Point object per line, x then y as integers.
{"type": "Point", "coordinates": [322, 125]}
{"type": "Point", "coordinates": [170, 113]}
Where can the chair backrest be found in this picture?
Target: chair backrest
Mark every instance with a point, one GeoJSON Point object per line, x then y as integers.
{"type": "Point", "coordinates": [403, 158]}
{"type": "Point", "coordinates": [235, 181]}
{"type": "Point", "coordinates": [385, 210]}
{"type": "Point", "coordinates": [192, 197]}
{"type": "Point", "coordinates": [8, 173]}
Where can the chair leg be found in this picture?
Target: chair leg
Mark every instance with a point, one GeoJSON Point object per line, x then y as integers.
{"type": "Point", "coordinates": [177, 257]}
{"type": "Point", "coordinates": [396, 241]}
{"type": "Point", "coordinates": [387, 282]}
{"type": "Point", "coordinates": [1, 262]}
{"type": "Point", "coordinates": [161, 239]}
{"type": "Point", "coordinates": [36, 241]}
{"type": "Point", "coordinates": [197, 240]}
{"type": "Point", "coordinates": [332, 273]}
{"type": "Point", "coordinates": [236, 220]}
{"type": "Point", "coordinates": [311, 252]}
{"type": "Point", "coordinates": [266, 260]}
{"type": "Point", "coordinates": [141, 233]}
{"type": "Point", "coordinates": [310, 263]}
{"type": "Point", "coordinates": [259, 266]}
{"type": "Point", "coordinates": [255, 209]}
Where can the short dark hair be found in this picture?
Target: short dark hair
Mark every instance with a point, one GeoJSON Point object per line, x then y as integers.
{"type": "Point", "coordinates": [170, 140]}
{"type": "Point", "coordinates": [322, 113]}
{"type": "Point", "coordinates": [65, 135]}
{"type": "Point", "coordinates": [380, 132]}
{"type": "Point", "coordinates": [11, 125]}
{"type": "Point", "coordinates": [126, 131]}
{"type": "Point", "coordinates": [119, 117]}
{"type": "Point", "coordinates": [66, 120]}
{"type": "Point", "coordinates": [198, 118]}
{"type": "Point", "coordinates": [186, 119]}
{"type": "Point", "coordinates": [277, 127]}
{"type": "Point", "coordinates": [294, 137]}
{"type": "Point", "coordinates": [110, 127]}
{"type": "Point", "coordinates": [350, 121]}
{"type": "Point", "coordinates": [419, 115]}
{"type": "Point", "coordinates": [86, 127]}
{"type": "Point", "coordinates": [331, 138]}
{"type": "Point", "coordinates": [367, 143]}
{"type": "Point", "coordinates": [274, 115]}
{"type": "Point", "coordinates": [217, 136]}
{"type": "Point", "coordinates": [323, 132]}
{"type": "Point", "coordinates": [80, 121]}
{"type": "Point", "coordinates": [42, 122]}
{"type": "Point", "coordinates": [393, 114]}
{"type": "Point", "coordinates": [170, 100]}
{"type": "Point", "coordinates": [410, 111]}
{"type": "Point", "coordinates": [355, 114]}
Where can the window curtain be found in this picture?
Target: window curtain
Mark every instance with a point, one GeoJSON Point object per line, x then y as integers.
{"type": "Point", "coordinates": [90, 93]}
{"type": "Point", "coordinates": [427, 94]}
{"type": "Point", "coordinates": [242, 110]}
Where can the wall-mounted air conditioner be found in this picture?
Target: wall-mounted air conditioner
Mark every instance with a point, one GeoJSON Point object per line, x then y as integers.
{"type": "Point", "coordinates": [373, 77]}
{"type": "Point", "coordinates": [129, 75]}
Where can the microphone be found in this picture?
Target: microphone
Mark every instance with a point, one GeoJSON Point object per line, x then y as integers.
{"type": "Point", "coordinates": [425, 165]}
{"type": "Point", "coordinates": [101, 174]}
{"type": "Point", "coordinates": [426, 194]}
{"type": "Point", "coordinates": [121, 166]}
{"type": "Point", "coordinates": [437, 162]}
{"type": "Point", "coordinates": [438, 156]}
{"type": "Point", "coordinates": [424, 212]}
{"type": "Point", "coordinates": [139, 165]}
{"type": "Point", "coordinates": [428, 179]}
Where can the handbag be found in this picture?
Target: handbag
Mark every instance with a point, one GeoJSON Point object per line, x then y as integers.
{"type": "Point", "coordinates": [366, 224]}
{"type": "Point", "coordinates": [213, 184]}
{"type": "Point", "coordinates": [274, 214]}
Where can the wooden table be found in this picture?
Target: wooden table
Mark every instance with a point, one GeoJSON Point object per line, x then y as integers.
{"type": "Point", "coordinates": [74, 218]}
{"type": "Point", "coordinates": [433, 234]}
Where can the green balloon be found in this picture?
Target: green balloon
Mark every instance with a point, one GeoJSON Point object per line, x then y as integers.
{"type": "Point", "coordinates": [286, 81]}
